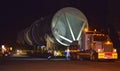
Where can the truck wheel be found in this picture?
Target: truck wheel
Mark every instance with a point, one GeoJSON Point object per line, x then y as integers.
{"type": "Point", "coordinates": [93, 57]}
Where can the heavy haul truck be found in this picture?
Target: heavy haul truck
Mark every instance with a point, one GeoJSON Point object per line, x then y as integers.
{"type": "Point", "coordinates": [95, 46]}
{"type": "Point", "coordinates": [67, 28]}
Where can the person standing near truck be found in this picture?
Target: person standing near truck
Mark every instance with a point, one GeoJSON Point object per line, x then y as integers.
{"type": "Point", "coordinates": [49, 54]}
{"type": "Point", "coordinates": [67, 53]}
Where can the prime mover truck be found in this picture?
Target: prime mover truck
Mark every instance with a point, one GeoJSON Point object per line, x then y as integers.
{"type": "Point", "coordinates": [95, 46]}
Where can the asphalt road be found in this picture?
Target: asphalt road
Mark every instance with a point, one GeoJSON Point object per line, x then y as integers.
{"type": "Point", "coordinates": [58, 65]}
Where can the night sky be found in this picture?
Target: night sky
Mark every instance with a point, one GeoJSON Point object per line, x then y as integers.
{"type": "Point", "coordinates": [16, 15]}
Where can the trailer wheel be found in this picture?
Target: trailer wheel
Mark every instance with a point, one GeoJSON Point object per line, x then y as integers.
{"type": "Point", "coordinates": [72, 56]}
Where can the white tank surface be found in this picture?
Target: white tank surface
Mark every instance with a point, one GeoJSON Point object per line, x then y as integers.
{"type": "Point", "coordinates": [67, 25]}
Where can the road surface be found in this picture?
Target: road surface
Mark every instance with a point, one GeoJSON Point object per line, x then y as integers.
{"type": "Point", "coordinates": [58, 65]}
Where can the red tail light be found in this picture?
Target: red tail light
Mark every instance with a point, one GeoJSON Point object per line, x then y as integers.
{"type": "Point", "coordinates": [9, 52]}
{"type": "Point", "coordinates": [2, 52]}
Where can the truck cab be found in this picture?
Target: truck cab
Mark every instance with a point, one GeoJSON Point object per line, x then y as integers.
{"type": "Point", "coordinates": [100, 46]}
{"type": "Point", "coordinates": [94, 46]}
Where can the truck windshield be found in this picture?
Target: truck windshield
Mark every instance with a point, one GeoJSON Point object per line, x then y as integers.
{"type": "Point", "coordinates": [108, 48]}
{"type": "Point", "coordinates": [99, 38]}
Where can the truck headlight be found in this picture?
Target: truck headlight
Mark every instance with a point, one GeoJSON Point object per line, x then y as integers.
{"type": "Point", "coordinates": [114, 50]}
